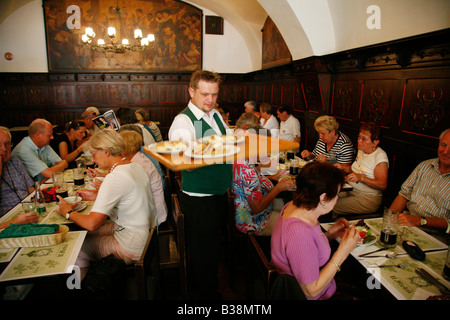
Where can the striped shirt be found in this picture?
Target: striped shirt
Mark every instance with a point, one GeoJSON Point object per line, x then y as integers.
{"type": "Point", "coordinates": [427, 190]}
{"type": "Point", "coordinates": [343, 148]}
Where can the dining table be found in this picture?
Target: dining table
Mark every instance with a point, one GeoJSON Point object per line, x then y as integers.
{"type": "Point", "coordinates": [24, 263]}
{"type": "Point", "coordinates": [400, 273]}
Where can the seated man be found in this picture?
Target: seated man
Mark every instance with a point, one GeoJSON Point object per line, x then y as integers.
{"type": "Point", "coordinates": [268, 120]}
{"type": "Point", "coordinates": [15, 185]}
{"type": "Point", "coordinates": [87, 116]}
{"type": "Point", "coordinates": [289, 125]}
{"type": "Point", "coordinates": [426, 192]}
{"type": "Point", "coordinates": [38, 158]}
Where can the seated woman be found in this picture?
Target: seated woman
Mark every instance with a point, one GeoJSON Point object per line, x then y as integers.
{"type": "Point", "coordinates": [368, 175]}
{"type": "Point", "coordinates": [66, 144]}
{"type": "Point", "coordinates": [124, 197]}
{"type": "Point", "coordinates": [333, 146]}
{"type": "Point", "coordinates": [299, 248]}
{"type": "Point", "coordinates": [255, 204]}
{"type": "Point", "coordinates": [133, 144]}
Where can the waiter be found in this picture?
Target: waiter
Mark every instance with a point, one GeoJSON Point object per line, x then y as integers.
{"type": "Point", "coordinates": [203, 199]}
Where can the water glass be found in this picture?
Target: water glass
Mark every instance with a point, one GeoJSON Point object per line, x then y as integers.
{"type": "Point", "coordinates": [58, 179]}
{"type": "Point", "coordinates": [28, 206]}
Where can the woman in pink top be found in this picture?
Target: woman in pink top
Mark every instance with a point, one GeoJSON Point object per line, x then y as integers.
{"type": "Point", "coordinates": [299, 247]}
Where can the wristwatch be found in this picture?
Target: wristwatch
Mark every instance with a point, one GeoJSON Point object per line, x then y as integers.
{"type": "Point", "coordinates": [423, 221]}
{"type": "Point", "coordinates": [68, 214]}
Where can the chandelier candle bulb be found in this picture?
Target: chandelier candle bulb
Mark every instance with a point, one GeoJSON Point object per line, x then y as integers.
{"type": "Point", "coordinates": [138, 33]}
{"type": "Point", "coordinates": [111, 31]}
{"type": "Point", "coordinates": [90, 32]}
{"type": "Point", "coordinates": [144, 41]}
{"type": "Point", "coordinates": [125, 41]}
{"type": "Point", "coordinates": [151, 37]}
{"type": "Point", "coordinates": [100, 42]}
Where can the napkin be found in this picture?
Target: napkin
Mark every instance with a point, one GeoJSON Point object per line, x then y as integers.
{"type": "Point", "coordinates": [28, 229]}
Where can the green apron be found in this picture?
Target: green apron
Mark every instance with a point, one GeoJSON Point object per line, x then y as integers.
{"type": "Point", "coordinates": [214, 179]}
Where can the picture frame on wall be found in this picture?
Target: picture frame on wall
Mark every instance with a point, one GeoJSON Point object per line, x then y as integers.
{"type": "Point", "coordinates": [176, 26]}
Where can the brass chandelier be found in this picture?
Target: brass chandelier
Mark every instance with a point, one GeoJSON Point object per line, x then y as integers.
{"type": "Point", "coordinates": [140, 44]}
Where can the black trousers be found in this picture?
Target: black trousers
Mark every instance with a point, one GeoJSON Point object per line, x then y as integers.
{"type": "Point", "coordinates": [204, 219]}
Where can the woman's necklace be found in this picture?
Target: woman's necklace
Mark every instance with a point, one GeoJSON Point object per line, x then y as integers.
{"type": "Point", "coordinates": [115, 164]}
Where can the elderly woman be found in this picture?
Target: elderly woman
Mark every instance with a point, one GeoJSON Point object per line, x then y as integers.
{"type": "Point", "coordinates": [124, 197]}
{"type": "Point", "coordinates": [133, 144]}
{"type": "Point", "coordinates": [66, 144]}
{"type": "Point", "coordinates": [368, 175]}
{"type": "Point", "coordinates": [299, 248]}
{"type": "Point", "coordinates": [333, 146]}
{"type": "Point", "coordinates": [255, 196]}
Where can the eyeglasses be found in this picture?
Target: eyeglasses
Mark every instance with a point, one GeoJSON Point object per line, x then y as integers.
{"type": "Point", "coordinates": [364, 138]}
{"type": "Point", "coordinates": [6, 144]}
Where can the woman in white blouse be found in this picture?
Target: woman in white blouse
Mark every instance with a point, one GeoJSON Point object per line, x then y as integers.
{"type": "Point", "coordinates": [124, 209]}
{"type": "Point", "coordinates": [368, 175]}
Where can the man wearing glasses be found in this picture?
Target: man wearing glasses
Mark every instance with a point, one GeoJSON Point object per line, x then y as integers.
{"type": "Point", "coordinates": [16, 184]}
{"type": "Point", "coordinates": [38, 158]}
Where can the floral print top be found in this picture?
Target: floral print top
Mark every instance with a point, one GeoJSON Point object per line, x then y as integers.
{"type": "Point", "coordinates": [250, 184]}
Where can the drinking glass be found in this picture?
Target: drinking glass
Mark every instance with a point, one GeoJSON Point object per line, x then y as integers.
{"type": "Point", "coordinates": [293, 167]}
{"type": "Point", "coordinates": [28, 206]}
{"type": "Point", "coordinates": [78, 177]}
{"type": "Point", "coordinates": [331, 157]}
{"type": "Point", "coordinates": [389, 230]}
{"type": "Point", "coordinates": [58, 179]}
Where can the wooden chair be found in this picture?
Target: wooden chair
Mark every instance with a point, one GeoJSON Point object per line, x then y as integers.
{"type": "Point", "coordinates": [261, 273]}
{"type": "Point", "coordinates": [172, 246]}
{"type": "Point", "coordinates": [146, 266]}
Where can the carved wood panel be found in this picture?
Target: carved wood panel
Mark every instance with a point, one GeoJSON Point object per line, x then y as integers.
{"type": "Point", "coordinates": [381, 101]}
{"type": "Point", "coordinates": [346, 99]}
{"type": "Point", "coordinates": [426, 108]}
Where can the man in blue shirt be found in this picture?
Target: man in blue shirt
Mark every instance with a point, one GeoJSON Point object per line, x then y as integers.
{"type": "Point", "coordinates": [15, 184]}
{"type": "Point", "coordinates": [37, 156]}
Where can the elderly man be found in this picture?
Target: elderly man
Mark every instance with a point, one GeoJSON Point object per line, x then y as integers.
{"type": "Point", "coordinates": [426, 192]}
{"type": "Point", "coordinates": [87, 116]}
{"type": "Point", "coordinates": [250, 107]}
{"type": "Point", "coordinates": [38, 158]}
{"type": "Point", "coordinates": [15, 185]}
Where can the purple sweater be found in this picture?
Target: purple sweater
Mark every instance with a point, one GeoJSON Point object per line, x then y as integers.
{"type": "Point", "coordinates": [300, 249]}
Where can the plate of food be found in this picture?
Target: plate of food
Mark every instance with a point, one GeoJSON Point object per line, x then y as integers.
{"type": "Point", "coordinates": [366, 234]}
{"type": "Point", "coordinates": [225, 139]}
{"type": "Point", "coordinates": [209, 150]}
{"type": "Point", "coordinates": [168, 147]}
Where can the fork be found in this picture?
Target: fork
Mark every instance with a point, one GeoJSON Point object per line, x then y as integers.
{"type": "Point", "coordinates": [424, 274]}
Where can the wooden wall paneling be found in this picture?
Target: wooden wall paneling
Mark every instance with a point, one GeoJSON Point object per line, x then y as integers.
{"type": "Point", "coordinates": [64, 94]}
{"type": "Point", "coordinates": [91, 94]}
{"type": "Point", "coordinates": [382, 101]}
{"type": "Point", "coordinates": [311, 91]}
{"type": "Point", "coordinates": [118, 94]}
{"type": "Point", "coordinates": [142, 93]}
{"type": "Point", "coordinates": [267, 93]}
{"type": "Point", "coordinates": [426, 107]}
{"type": "Point", "coordinates": [346, 99]}
{"type": "Point", "coordinates": [277, 93]}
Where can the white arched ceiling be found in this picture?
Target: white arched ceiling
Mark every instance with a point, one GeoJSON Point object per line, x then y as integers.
{"type": "Point", "coordinates": [247, 17]}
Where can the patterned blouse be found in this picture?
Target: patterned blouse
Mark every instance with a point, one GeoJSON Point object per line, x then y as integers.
{"type": "Point", "coordinates": [250, 184]}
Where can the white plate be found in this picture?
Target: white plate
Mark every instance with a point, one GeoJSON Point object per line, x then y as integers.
{"type": "Point", "coordinates": [81, 206]}
{"type": "Point", "coordinates": [239, 139]}
{"type": "Point", "coordinates": [78, 208]}
{"type": "Point", "coordinates": [153, 147]}
{"type": "Point", "coordinates": [232, 150]}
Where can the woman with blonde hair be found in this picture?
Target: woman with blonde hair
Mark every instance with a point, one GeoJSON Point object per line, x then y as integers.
{"type": "Point", "coordinates": [124, 197]}
{"type": "Point", "coordinates": [333, 146]}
